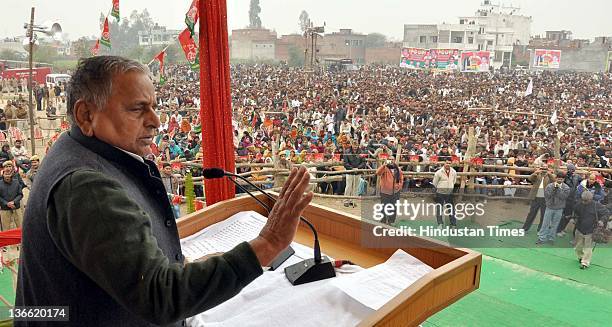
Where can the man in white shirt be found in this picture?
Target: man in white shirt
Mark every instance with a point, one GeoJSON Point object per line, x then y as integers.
{"type": "Point", "coordinates": [20, 153]}
{"type": "Point", "coordinates": [444, 181]}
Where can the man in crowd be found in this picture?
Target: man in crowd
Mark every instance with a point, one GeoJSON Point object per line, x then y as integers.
{"type": "Point", "coordinates": [444, 181]}
{"type": "Point", "coordinates": [589, 214]}
{"type": "Point", "coordinates": [555, 196]}
{"type": "Point", "coordinates": [10, 199]}
{"type": "Point", "coordinates": [541, 177]}
{"type": "Point", "coordinates": [97, 236]}
{"type": "Point", "coordinates": [20, 153]}
{"type": "Point", "coordinates": [572, 180]}
{"type": "Point", "coordinates": [34, 165]}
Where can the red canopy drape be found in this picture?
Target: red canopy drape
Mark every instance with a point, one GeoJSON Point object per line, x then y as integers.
{"type": "Point", "coordinates": [10, 237]}
{"type": "Point", "coordinates": [216, 110]}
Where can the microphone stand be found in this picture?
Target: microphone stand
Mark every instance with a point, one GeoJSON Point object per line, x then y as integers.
{"type": "Point", "coordinates": [306, 271]}
{"type": "Point", "coordinates": [286, 253]}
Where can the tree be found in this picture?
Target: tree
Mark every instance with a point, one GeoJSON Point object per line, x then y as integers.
{"type": "Point", "coordinates": [82, 47]}
{"type": "Point", "coordinates": [45, 53]}
{"type": "Point", "coordinates": [304, 20]}
{"type": "Point", "coordinates": [375, 40]}
{"type": "Point", "coordinates": [8, 54]}
{"type": "Point", "coordinates": [296, 56]}
{"type": "Point", "coordinates": [189, 193]}
{"type": "Point", "coordinates": [254, 11]}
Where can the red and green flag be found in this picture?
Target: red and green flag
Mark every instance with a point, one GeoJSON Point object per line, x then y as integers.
{"type": "Point", "coordinates": [115, 11]}
{"type": "Point", "coordinates": [161, 57]}
{"type": "Point", "coordinates": [191, 18]}
{"type": "Point", "coordinates": [105, 40]}
{"type": "Point", "coordinates": [190, 49]}
{"type": "Point", "coordinates": [96, 48]}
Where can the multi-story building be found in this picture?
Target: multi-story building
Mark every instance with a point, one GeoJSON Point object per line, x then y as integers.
{"type": "Point", "coordinates": [344, 44]}
{"type": "Point", "coordinates": [158, 35]}
{"type": "Point", "coordinates": [253, 44]}
{"type": "Point", "coordinates": [494, 27]}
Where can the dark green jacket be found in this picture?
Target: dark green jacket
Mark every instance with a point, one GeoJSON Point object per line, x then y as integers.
{"type": "Point", "coordinates": [99, 236]}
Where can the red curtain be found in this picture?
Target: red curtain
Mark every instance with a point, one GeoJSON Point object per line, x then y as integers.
{"type": "Point", "coordinates": [216, 110]}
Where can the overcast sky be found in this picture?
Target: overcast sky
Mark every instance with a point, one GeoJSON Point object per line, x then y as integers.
{"type": "Point", "coordinates": [586, 18]}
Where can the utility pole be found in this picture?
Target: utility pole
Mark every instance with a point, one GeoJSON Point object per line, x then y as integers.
{"type": "Point", "coordinates": [30, 88]}
{"type": "Point", "coordinates": [312, 32]}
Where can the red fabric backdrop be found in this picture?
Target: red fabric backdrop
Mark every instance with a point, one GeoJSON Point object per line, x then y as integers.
{"type": "Point", "coordinates": [216, 111]}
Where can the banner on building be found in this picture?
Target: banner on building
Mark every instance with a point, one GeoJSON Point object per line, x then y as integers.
{"type": "Point", "coordinates": [445, 59]}
{"type": "Point", "coordinates": [475, 61]}
{"type": "Point", "coordinates": [609, 62]}
{"type": "Point", "coordinates": [547, 59]}
{"type": "Point", "coordinates": [417, 58]}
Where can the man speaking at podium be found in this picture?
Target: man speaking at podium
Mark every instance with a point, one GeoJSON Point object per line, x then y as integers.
{"type": "Point", "coordinates": [99, 235]}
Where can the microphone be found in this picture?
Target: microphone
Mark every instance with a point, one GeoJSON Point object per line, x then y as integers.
{"type": "Point", "coordinates": [306, 271]}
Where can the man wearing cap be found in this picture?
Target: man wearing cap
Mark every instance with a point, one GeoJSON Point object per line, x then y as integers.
{"type": "Point", "coordinates": [10, 200]}
{"type": "Point", "coordinates": [34, 165]}
{"type": "Point", "coordinates": [555, 195]}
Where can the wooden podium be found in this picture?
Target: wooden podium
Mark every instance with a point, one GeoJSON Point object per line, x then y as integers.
{"type": "Point", "coordinates": [456, 271]}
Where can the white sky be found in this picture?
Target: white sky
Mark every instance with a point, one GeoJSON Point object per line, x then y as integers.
{"type": "Point", "coordinates": [586, 18]}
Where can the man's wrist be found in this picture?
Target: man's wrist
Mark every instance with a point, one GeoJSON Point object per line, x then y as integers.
{"type": "Point", "coordinates": [265, 250]}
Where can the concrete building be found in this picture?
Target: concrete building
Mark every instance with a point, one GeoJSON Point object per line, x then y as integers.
{"type": "Point", "coordinates": [494, 27]}
{"type": "Point", "coordinates": [344, 44]}
{"type": "Point", "coordinates": [253, 44]}
{"type": "Point", "coordinates": [158, 35]}
{"type": "Point", "coordinates": [576, 55]}
{"type": "Point", "coordinates": [390, 54]}
{"type": "Point", "coordinates": [14, 44]}
{"type": "Point", "coordinates": [287, 44]}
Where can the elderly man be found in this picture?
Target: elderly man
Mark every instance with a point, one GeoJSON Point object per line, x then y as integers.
{"type": "Point", "coordinates": [589, 214]}
{"type": "Point", "coordinates": [99, 235]}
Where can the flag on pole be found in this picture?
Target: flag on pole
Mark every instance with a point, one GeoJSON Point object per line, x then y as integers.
{"type": "Point", "coordinates": [115, 12]}
{"type": "Point", "coordinates": [161, 57]}
{"type": "Point", "coordinates": [96, 48]}
{"type": "Point", "coordinates": [554, 120]}
{"type": "Point", "coordinates": [190, 48]}
{"type": "Point", "coordinates": [191, 18]}
{"type": "Point", "coordinates": [105, 40]}
{"type": "Point", "coordinates": [529, 88]}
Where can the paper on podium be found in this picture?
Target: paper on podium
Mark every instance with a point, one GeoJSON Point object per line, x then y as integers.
{"type": "Point", "coordinates": [223, 236]}
{"type": "Point", "coordinates": [376, 286]}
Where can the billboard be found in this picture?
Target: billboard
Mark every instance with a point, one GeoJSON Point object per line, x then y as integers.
{"type": "Point", "coordinates": [475, 61]}
{"type": "Point", "coordinates": [547, 59]}
{"type": "Point", "coordinates": [445, 59]}
{"type": "Point", "coordinates": [417, 58]}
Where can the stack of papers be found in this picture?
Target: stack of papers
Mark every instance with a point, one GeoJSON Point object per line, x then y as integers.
{"type": "Point", "coordinates": [271, 300]}
{"type": "Point", "coordinates": [223, 236]}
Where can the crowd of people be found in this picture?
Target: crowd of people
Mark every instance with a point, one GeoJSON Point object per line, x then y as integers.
{"type": "Point", "coordinates": [359, 120]}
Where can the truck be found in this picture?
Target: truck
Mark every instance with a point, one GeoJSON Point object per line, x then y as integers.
{"type": "Point", "coordinates": [13, 69]}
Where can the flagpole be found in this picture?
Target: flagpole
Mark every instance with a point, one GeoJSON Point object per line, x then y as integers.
{"type": "Point", "coordinates": [152, 60]}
